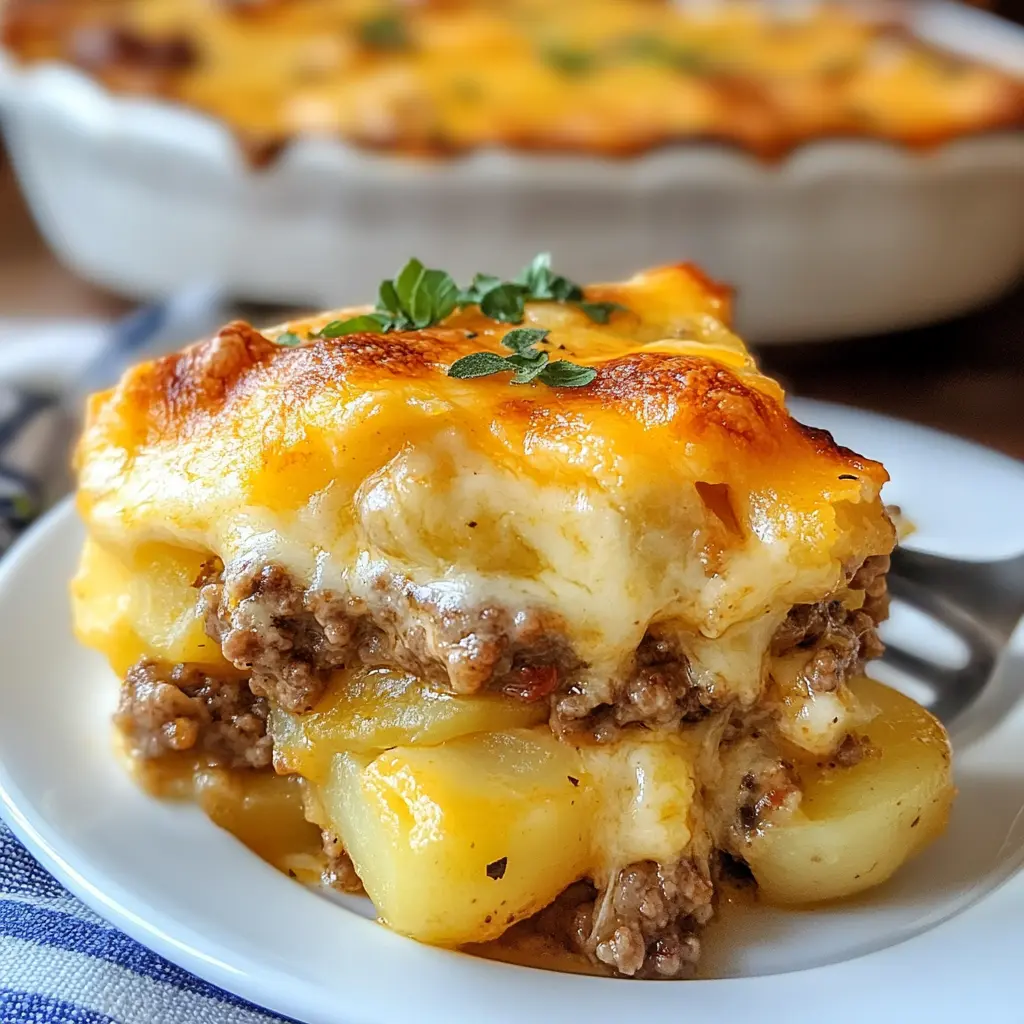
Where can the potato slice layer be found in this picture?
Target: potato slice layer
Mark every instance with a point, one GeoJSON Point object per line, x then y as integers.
{"type": "Point", "coordinates": [145, 607]}
{"type": "Point", "coordinates": [855, 826]}
{"type": "Point", "coordinates": [457, 842]}
{"type": "Point", "coordinates": [371, 710]}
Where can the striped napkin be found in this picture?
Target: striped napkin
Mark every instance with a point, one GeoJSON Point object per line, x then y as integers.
{"type": "Point", "coordinates": [59, 962]}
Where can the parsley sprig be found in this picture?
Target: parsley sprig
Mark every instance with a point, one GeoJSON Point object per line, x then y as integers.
{"type": "Point", "coordinates": [526, 363]}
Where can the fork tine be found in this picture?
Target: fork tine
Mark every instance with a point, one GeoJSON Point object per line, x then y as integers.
{"type": "Point", "coordinates": [981, 603]}
{"type": "Point", "coordinates": [937, 676]}
{"type": "Point", "coordinates": [969, 623]}
{"type": "Point", "coordinates": [989, 593]}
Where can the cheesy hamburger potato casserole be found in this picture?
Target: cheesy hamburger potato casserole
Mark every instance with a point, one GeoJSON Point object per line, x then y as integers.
{"type": "Point", "coordinates": [604, 77]}
{"type": "Point", "coordinates": [528, 602]}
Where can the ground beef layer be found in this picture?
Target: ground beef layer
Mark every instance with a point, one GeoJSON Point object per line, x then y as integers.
{"type": "Point", "coordinates": [166, 709]}
{"type": "Point", "coordinates": [291, 638]}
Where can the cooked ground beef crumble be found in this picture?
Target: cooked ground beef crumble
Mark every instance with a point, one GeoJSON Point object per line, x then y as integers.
{"type": "Point", "coordinates": [659, 693]}
{"type": "Point", "coordinates": [842, 639]}
{"type": "Point", "coordinates": [644, 924]}
{"type": "Point", "coordinates": [168, 709]}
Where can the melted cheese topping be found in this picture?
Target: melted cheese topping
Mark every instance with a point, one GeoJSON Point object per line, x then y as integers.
{"type": "Point", "coordinates": [598, 76]}
{"type": "Point", "coordinates": [673, 489]}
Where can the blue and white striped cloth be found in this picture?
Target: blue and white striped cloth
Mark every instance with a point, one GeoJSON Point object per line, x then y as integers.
{"type": "Point", "coordinates": [62, 964]}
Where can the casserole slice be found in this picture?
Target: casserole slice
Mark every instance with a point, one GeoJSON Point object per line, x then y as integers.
{"type": "Point", "coordinates": [538, 599]}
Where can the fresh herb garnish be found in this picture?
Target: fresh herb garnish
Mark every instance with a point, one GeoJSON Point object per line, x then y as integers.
{"type": "Point", "coordinates": [289, 339]}
{"type": "Point", "coordinates": [417, 298]}
{"type": "Point", "coordinates": [568, 60]}
{"type": "Point", "coordinates": [537, 282]}
{"type": "Point", "coordinates": [563, 374]}
{"type": "Point", "coordinates": [651, 49]}
{"type": "Point", "coordinates": [543, 284]}
{"type": "Point", "coordinates": [644, 48]}
{"type": "Point", "coordinates": [505, 303]}
{"type": "Point", "coordinates": [384, 32]}
{"type": "Point", "coordinates": [369, 323]}
{"type": "Point", "coordinates": [600, 312]}
{"type": "Point", "coordinates": [525, 364]}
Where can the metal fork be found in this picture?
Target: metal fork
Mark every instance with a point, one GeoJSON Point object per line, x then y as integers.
{"type": "Point", "coordinates": [981, 603]}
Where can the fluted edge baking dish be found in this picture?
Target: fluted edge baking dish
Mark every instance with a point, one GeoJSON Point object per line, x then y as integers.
{"type": "Point", "coordinates": [843, 237]}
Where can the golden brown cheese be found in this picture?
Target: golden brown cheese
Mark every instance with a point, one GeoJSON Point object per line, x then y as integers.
{"type": "Point", "coordinates": [673, 489]}
{"type": "Point", "coordinates": [612, 77]}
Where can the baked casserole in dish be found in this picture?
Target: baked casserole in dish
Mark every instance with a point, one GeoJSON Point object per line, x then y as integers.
{"type": "Point", "coordinates": [600, 77]}
{"type": "Point", "coordinates": [294, 151]}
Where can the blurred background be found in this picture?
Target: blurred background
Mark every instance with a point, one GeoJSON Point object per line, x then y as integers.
{"type": "Point", "coordinates": [960, 367]}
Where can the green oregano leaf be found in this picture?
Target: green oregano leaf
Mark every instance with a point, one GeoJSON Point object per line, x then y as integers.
{"type": "Point", "coordinates": [389, 301]}
{"type": "Point", "coordinates": [368, 323]}
{"type": "Point", "coordinates": [563, 374]}
{"type": "Point", "coordinates": [405, 284]}
{"type": "Point", "coordinates": [505, 303]}
{"type": "Point", "coordinates": [288, 339]}
{"type": "Point", "coordinates": [479, 364]}
{"type": "Point", "coordinates": [522, 339]}
{"type": "Point", "coordinates": [482, 284]}
{"type": "Point", "coordinates": [419, 297]}
{"type": "Point", "coordinates": [600, 312]}
{"type": "Point", "coordinates": [526, 363]}
{"type": "Point", "coordinates": [384, 32]}
{"type": "Point", "coordinates": [435, 298]}
{"type": "Point", "coordinates": [543, 285]}
{"type": "Point", "coordinates": [526, 367]}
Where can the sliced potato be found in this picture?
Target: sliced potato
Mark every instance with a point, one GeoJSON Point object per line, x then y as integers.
{"type": "Point", "coordinates": [147, 606]}
{"type": "Point", "coordinates": [455, 843]}
{"type": "Point", "coordinates": [644, 790]}
{"type": "Point", "coordinates": [369, 710]}
{"type": "Point", "coordinates": [855, 826]}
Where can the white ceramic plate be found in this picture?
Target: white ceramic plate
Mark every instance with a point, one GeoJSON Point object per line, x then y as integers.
{"type": "Point", "coordinates": [926, 946]}
{"type": "Point", "coordinates": [841, 238]}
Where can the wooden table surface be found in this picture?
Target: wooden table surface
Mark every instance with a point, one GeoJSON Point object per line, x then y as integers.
{"type": "Point", "coordinates": [965, 376]}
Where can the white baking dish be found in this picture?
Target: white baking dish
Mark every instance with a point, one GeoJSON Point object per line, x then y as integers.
{"type": "Point", "coordinates": [842, 238]}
